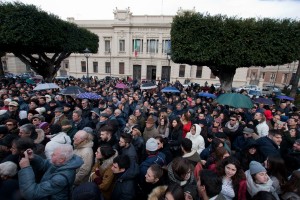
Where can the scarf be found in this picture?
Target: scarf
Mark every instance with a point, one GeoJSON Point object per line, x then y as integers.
{"type": "Point", "coordinates": [232, 128]}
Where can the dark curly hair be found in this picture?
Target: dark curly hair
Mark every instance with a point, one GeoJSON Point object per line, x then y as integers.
{"type": "Point", "coordinates": [237, 177]}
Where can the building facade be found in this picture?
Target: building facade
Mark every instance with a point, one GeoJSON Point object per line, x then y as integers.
{"type": "Point", "coordinates": [138, 46]}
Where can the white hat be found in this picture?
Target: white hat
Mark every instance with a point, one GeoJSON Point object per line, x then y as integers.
{"type": "Point", "coordinates": [40, 110]}
{"type": "Point", "coordinates": [151, 144]}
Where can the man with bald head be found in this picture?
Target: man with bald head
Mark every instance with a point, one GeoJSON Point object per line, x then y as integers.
{"type": "Point", "coordinates": [83, 147]}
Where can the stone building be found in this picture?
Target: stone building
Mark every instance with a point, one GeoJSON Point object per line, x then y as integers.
{"type": "Point", "coordinates": [136, 46]}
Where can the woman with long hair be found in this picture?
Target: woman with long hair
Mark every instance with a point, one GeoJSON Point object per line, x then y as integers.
{"type": "Point", "coordinates": [175, 136]}
{"type": "Point", "coordinates": [216, 157]}
{"type": "Point", "coordinates": [277, 171]}
{"type": "Point", "coordinates": [132, 121]}
{"type": "Point", "coordinates": [186, 122]}
{"type": "Point", "coordinates": [233, 179]}
{"type": "Point", "coordinates": [163, 125]}
{"type": "Point", "coordinates": [291, 190]}
{"type": "Point", "coordinates": [101, 173]}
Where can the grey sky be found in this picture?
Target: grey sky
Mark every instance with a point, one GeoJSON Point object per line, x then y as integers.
{"type": "Point", "coordinates": [103, 9]}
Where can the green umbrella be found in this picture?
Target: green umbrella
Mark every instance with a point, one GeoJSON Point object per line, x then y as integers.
{"type": "Point", "coordinates": [235, 100]}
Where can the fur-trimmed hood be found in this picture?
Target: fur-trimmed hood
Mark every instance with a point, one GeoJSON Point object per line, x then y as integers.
{"type": "Point", "coordinates": [108, 162]}
{"type": "Point", "coordinates": [40, 136]}
{"type": "Point", "coordinates": [157, 193]}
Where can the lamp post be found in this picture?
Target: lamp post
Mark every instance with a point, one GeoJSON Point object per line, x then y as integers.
{"type": "Point", "coordinates": [87, 55]}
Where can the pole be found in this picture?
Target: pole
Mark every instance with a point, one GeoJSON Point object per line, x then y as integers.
{"type": "Point", "coordinates": [87, 71]}
{"type": "Point", "coordinates": [276, 75]}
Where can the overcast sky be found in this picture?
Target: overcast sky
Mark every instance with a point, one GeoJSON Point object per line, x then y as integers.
{"type": "Point", "coordinates": [103, 9]}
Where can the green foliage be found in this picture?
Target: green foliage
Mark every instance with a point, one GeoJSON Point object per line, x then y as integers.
{"type": "Point", "coordinates": [27, 29]}
{"type": "Point", "coordinates": [226, 43]}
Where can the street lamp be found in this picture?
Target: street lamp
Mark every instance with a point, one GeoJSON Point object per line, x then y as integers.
{"type": "Point", "coordinates": [87, 55]}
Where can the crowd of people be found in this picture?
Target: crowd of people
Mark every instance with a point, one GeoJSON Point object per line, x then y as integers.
{"type": "Point", "coordinates": [144, 144]}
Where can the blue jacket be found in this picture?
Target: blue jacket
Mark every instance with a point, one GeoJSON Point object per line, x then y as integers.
{"type": "Point", "coordinates": [125, 185]}
{"type": "Point", "coordinates": [56, 182]}
{"type": "Point", "coordinates": [159, 159]}
{"type": "Point", "coordinates": [267, 147]}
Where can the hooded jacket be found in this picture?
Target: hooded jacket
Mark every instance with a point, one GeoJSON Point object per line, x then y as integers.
{"type": "Point", "coordinates": [197, 139]}
{"type": "Point", "coordinates": [56, 182]}
{"type": "Point", "coordinates": [84, 151]}
{"type": "Point", "coordinates": [57, 140]}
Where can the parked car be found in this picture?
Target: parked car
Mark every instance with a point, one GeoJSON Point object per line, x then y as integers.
{"type": "Point", "coordinates": [255, 93]}
{"type": "Point", "coordinates": [248, 88]}
{"type": "Point", "coordinates": [269, 89]}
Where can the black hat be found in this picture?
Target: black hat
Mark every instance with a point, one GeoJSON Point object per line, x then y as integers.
{"type": "Point", "coordinates": [203, 122]}
{"type": "Point", "coordinates": [68, 105]}
{"type": "Point", "coordinates": [221, 135]}
{"type": "Point", "coordinates": [52, 101]}
{"type": "Point", "coordinates": [137, 127]}
{"type": "Point", "coordinates": [96, 111]}
{"type": "Point", "coordinates": [3, 130]}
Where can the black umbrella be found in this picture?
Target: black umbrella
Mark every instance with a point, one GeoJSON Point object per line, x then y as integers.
{"type": "Point", "coordinates": [72, 90]}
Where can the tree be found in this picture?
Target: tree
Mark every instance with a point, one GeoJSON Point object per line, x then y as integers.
{"type": "Point", "coordinates": [41, 40]}
{"type": "Point", "coordinates": [226, 43]}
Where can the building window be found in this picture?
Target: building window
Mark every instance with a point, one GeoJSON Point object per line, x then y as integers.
{"type": "Point", "coordinates": [166, 46]}
{"type": "Point", "coordinates": [199, 72]}
{"type": "Point", "coordinates": [272, 77]}
{"type": "Point", "coordinates": [95, 67]}
{"type": "Point", "coordinates": [122, 45]}
{"type": "Point", "coordinates": [66, 64]}
{"type": "Point", "coordinates": [212, 75]}
{"type": "Point", "coordinates": [28, 68]}
{"type": "Point", "coordinates": [285, 78]}
{"type": "Point", "coordinates": [263, 75]}
{"type": "Point", "coordinates": [107, 45]}
{"type": "Point", "coordinates": [83, 66]}
{"type": "Point", "coordinates": [152, 46]}
{"type": "Point", "coordinates": [137, 45]}
{"type": "Point", "coordinates": [4, 64]}
{"type": "Point", "coordinates": [121, 67]}
{"type": "Point", "coordinates": [107, 67]}
{"type": "Point", "coordinates": [181, 70]}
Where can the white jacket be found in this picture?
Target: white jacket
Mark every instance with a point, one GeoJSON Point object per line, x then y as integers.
{"type": "Point", "coordinates": [57, 140]}
{"type": "Point", "coordinates": [197, 139]}
{"type": "Point", "coordinates": [262, 129]}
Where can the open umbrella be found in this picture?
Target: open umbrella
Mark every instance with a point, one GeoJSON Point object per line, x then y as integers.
{"type": "Point", "coordinates": [121, 86]}
{"type": "Point", "coordinates": [148, 86]}
{"type": "Point", "coordinates": [282, 97]}
{"type": "Point", "coordinates": [235, 100]}
{"type": "Point", "coordinates": [207, 95]}
{"type": "Point", "coordinates": [46, 86]}
{"type": "Point", "coordinates": [264, 101]}
{"type": "Point", "coordinates": [88, 95]}
{"type": "Point", "coordinates": [170, 89]}
{"type": "Point", "coordinates": [72, 90]}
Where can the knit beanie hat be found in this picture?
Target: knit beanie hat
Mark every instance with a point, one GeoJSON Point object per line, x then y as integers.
{"type": "Point", "coordinates": [151, 144]}
{"type": "Point", "coordinates": [255, 167]}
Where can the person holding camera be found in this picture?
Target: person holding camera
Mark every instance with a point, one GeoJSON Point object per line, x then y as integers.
{"type": "Point", "coordinates": [58, 178]}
